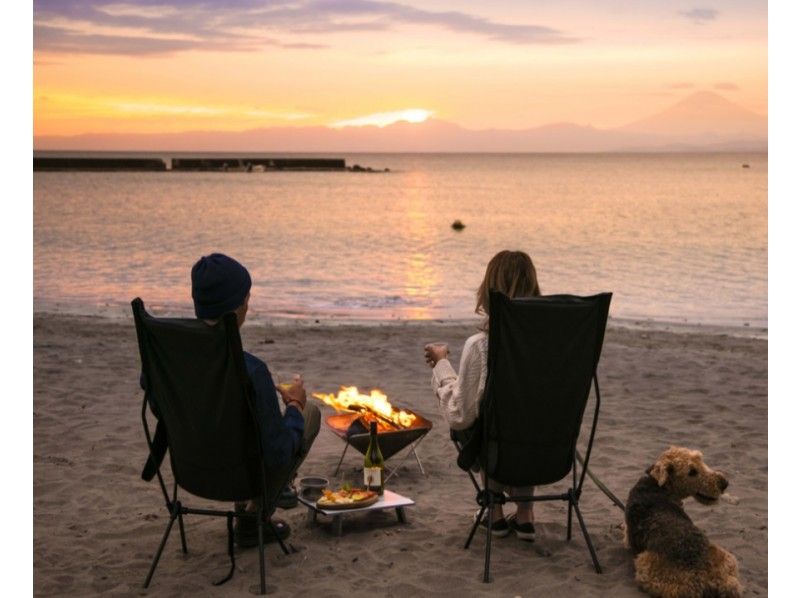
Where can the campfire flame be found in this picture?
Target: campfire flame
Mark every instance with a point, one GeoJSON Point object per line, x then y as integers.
{"type": "Point", "coordinates": [375, 404]}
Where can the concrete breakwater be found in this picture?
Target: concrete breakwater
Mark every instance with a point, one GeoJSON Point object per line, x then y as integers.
{"type": "Point", "coordinates": [257, 164]}
{"type": "Point", "coordinates": [105, 164]}
{"type": "Point", "coordinates": [195, 164]}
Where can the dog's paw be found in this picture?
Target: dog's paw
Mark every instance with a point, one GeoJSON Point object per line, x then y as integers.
{"type": "Point", "coordinates": [729, 498]}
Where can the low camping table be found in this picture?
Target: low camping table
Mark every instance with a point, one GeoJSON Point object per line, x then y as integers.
{"type": "Point", "coordinates": [389, 500]}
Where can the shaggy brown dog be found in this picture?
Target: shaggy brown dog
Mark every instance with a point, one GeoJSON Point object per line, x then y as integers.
{"type": "Point", "coordinates": [674, 559]}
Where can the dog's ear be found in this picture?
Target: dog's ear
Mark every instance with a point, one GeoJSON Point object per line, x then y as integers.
{"type": "Point", "coordinates": [661, 472]}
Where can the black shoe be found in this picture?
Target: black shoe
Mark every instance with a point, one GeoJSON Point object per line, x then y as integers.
{"type": "Point", "coordinates": [287, 498]}
{"type": "Point", "coordinates": [245, 531]}
{"type": "Point", "coordinates": [500, 528]}
{"type": "Point", "coordinates": [524, 531]}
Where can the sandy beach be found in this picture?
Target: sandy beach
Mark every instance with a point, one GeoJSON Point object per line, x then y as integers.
{"type": "Point", "coordinates": [97, 524]}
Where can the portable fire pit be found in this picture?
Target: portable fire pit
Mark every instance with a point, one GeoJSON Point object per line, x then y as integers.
{"type": "Point", "coordinates": [397, 429]}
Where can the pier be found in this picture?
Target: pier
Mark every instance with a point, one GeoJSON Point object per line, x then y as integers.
{"type": "Point", "coordinates": [194, 164]}
{"type": "Point", "coordinates": [257, 164]}
{"type": "Point", "coordinates": [100, 164]}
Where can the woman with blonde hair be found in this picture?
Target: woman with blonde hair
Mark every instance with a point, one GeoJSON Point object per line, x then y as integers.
{"type": "Point", "coordinates": [459, 394]}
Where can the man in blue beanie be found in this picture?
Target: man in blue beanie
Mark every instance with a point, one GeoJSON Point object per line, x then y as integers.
{"type": "Point", "coordinates": [220, 285]}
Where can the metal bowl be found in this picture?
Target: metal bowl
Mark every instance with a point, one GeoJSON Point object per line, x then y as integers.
{"type": "Point", "coordinates": [311, 487]}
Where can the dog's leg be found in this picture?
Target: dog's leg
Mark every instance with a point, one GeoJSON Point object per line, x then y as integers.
{"type": "Point", "coordinates": [659, 577]}
{"type": "Point", "coordinates": [722, 577]}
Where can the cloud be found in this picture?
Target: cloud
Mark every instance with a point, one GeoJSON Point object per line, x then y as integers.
{"type": "Point", "coordinates": [62, 40]}
{"type": "Point", "coordinates": [138, 10]}
{"type": "Point", "coordinates": [683, 85]}
{"type": "Point", "coordinates": [149, 27]}
{"type": "Point", "coordinates": [725, 86]}
{"type": "Point", "coordinates": [47, 63]}
{"type": "Point", "coordinates": [302, 46]}
{"type": "Point", "coordinates": [700, 15]}
{"type": "Point", "coordinates": [455, 21]}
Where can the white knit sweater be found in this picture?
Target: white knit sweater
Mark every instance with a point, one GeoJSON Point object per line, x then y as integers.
{"type": "Point", "coordinates": [459, 394]}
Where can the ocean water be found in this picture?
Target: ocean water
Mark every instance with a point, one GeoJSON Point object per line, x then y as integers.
{"type": "Point", "coordinates": [678, 238]}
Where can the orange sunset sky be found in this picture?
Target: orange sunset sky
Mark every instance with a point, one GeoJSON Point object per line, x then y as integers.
{"type": "Point", "coordinates": [173, 66]}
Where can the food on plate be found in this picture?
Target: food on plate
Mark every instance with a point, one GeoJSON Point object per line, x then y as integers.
{"type": "Point", "coordinates": [346, 496]}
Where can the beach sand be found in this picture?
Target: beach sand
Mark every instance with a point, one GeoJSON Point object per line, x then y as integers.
{"type": "Point", "coordinates": [97, 524]}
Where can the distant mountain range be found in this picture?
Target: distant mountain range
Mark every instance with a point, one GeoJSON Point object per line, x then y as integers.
{"type": "Point", "coordinates": [704, 121]}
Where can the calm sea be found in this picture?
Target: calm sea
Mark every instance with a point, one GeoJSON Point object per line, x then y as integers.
{"type": "Point", "coordinates": [678, 238]}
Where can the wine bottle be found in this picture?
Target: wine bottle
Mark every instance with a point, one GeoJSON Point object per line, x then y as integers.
{"type": "Point", "coordinates": [373, 462]}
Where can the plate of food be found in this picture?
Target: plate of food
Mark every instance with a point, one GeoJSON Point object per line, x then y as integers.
{"type": "Point", "coordinates": [347, 498]}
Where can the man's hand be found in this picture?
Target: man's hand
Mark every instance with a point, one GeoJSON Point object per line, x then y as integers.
{"type": "Point", "coordinates": [293, 393]}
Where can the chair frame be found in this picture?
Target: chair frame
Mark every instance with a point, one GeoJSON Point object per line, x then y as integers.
{"type": "Point", "coordinates": [488, 499]}
{"type": "Point", "coordinates": [174, 506]}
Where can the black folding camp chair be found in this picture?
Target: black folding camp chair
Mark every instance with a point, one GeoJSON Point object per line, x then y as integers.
{"type": "Point", "coordinates": [543, 355]}
{"type": "Point", "coordinates": [197, 385]}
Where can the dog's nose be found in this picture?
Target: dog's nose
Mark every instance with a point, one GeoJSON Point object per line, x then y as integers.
{"type": "Point", "coordinates": [722, 483]}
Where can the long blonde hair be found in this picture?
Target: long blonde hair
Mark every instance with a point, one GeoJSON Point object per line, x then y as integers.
{"type": "Point", "coordinates": [511, 273]}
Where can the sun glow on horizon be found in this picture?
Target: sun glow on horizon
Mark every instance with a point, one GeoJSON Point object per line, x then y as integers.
{"type": "Point", "coordinates": [383, 119]}
{"type": "Point", "coordinates": [121, 114]}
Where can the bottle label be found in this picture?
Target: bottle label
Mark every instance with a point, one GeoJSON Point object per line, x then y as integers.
{"type": "Point", "coordinates": [372, 477]}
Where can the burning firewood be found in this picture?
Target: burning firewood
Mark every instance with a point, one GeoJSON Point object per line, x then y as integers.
{"type": "Point", "coordinates": [368, 416]}
{"type": "Point", "coordinates": [373, 406]}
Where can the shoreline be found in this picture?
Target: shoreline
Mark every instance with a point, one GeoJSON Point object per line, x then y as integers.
{"type": "Point", "coordinates": [117, 313]}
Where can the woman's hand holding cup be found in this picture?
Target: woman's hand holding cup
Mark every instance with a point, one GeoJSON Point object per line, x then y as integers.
{"type": "Point", "coordinates": [435, 352]}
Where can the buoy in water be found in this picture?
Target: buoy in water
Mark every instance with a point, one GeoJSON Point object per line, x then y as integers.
{"type": "Point", "coordinates": [458, 225]}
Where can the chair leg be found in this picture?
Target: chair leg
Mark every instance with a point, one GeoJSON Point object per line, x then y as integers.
{"type": "Point", "coordinates": [569, 521]}
{"type": "Point", "coordinates": [474, 481]}
{"type": "Point", "coordinates": [597, 567]}
{"type": "Point", "coordinates": [157, 556]}
{"type": "Point", "coordinates": [261, 565]}
{"type": "Point", "coordinates": [474, 527]}
{"type": "Point", "coordinates": [183, 533]}
{"type": "Point", "coordinates": [488, 540]}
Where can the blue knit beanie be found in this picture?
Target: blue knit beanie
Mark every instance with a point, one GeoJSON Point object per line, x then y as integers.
{"type": "Point", "coordinates": [219, 285]}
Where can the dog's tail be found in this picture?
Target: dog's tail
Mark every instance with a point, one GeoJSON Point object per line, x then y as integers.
{"type": "Point", "coordinates": [600, 484]}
